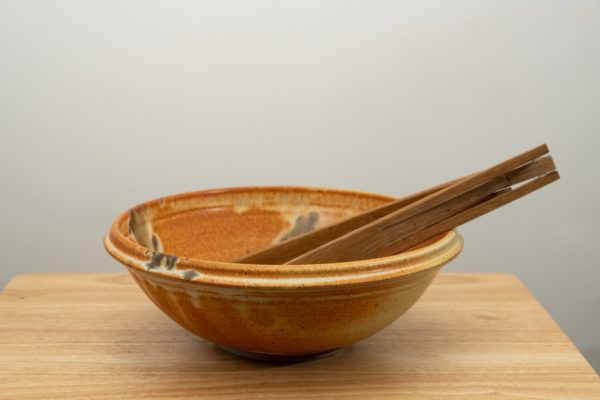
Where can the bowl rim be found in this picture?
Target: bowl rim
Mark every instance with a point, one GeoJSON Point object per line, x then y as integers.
{"type": "Point", "coordinates": [221, 273]}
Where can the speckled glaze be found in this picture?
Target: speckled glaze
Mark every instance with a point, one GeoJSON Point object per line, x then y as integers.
{"type": "Point", "coordinates": [177, 249]}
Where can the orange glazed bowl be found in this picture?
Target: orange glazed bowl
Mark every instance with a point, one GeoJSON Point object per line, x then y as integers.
{"type": "Point", "coordinates": [178, 249]}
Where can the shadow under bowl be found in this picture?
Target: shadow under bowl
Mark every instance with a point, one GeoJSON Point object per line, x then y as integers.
{"type": "Point", "coordinates": [177, 249]}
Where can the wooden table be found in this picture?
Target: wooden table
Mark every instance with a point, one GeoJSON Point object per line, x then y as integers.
{"type": "Point", "coordinates": [96, 336]}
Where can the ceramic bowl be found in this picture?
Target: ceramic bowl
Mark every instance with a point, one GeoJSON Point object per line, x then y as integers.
{"type": "Point", "coordinates": [178, 249]}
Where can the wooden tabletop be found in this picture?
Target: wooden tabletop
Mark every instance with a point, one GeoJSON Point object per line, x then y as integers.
{"type": "Point", "coordinates": [96, 336]}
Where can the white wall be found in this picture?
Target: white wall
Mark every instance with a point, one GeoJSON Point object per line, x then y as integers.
{"type": "Point", "coordinates": [106, 104]}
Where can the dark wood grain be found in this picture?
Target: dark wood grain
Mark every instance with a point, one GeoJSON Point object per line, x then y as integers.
{"type": "Point", "coordinates": [518, 168]}
{"type": "Point", "coordinates": [384, 238]}
{"type": "Point", "coordinates": [294, 247]}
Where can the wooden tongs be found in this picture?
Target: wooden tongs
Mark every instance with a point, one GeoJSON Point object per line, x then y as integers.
{"type": "Point", "coordinates": [408, 221]}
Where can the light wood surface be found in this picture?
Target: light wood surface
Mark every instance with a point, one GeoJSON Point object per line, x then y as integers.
{"type": "Point", "coordinates": [96, 336]}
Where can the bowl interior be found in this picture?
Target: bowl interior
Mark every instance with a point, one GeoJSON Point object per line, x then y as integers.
{"type": "Point", "coordinates": [223, 225]}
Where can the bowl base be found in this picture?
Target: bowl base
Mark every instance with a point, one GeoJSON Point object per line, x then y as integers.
{"type": "Point", "coordinates": [281, 358]}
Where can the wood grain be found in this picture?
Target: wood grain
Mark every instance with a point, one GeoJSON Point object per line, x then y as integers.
{"type": "Point", "coordinates": [294, 247]}
{"type": "Point", "coordinates": [484, 207]}
{"type": "Point", "coordinates": [296, 250]}
{"type": "Point", "coordinates": [96, 336]}
{"type": "Point", "coordinates": [531, 170]}
{"type": "Point", "coordinates": [418, 222]}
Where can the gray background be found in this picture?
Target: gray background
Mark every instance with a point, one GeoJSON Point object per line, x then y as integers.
{"type": "Point", "coordinates": [106, 104]}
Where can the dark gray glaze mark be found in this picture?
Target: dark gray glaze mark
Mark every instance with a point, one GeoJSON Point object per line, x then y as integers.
{"type": "Point", "coordinates": [155, 244]}
{"type": "Point", "coordinates": [303, 224]}
{"type": "Point", "coordinates": [190, 274]}
{"type": "Point", "coordinates": [159, 259]}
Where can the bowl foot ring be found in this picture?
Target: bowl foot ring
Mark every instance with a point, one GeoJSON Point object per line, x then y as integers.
{"type": "Point", "coordinates": [281, 358]}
